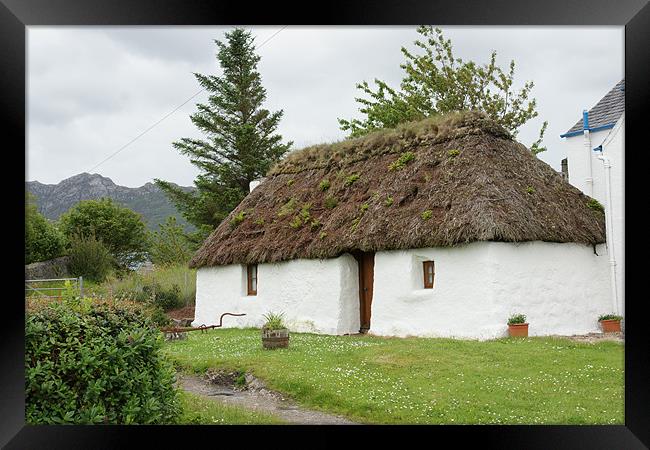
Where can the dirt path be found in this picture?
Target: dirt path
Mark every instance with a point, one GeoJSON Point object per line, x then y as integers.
{"type": "Point", "coordinates": [592, 338]}
{"type": "Point", "coordinates": [256, 397]}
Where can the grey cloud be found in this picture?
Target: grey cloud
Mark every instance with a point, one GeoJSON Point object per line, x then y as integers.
{"type": "Point", "coordinates": [92, 89]}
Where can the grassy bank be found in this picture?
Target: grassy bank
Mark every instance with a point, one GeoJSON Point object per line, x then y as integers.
{"type": "Point", "coordinates": [198, 410]}
{"type": "Point", "coordinates": [418, 380]}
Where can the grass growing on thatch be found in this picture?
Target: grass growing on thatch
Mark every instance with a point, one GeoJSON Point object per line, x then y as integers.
{"type": "Point", "coordinates": [331, 202]}
{"type": "Point", "coordinates": [595, 205]}
{"type": "Point", "coordinates": [324, 185]}
{"type": "Point", "coordinates": [351, 179]}
{"type": "Point", "coordinates": [402, 161]}
{"type": "Point", "coordinates": [238, 218]}
{"type": "Point", "coordinates": [288, 208]}
{"type": "Point", "coordinates": [465, 169]}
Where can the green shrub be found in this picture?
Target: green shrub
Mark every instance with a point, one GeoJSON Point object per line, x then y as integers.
{"type": "Point", "coordinates": [158, 317]}
{"type": "Point", "coordinates": [121, 230]}
{"type": "Point", "coordinates": [389, 201]}
{"type": "Point", "coordinates": [364, 207]}
{"type": "Point", "coordinates": [43, 240]}
{"type": "Point", "coordinates": [530, 190]}
{"type": "Point", "coordinates": [402, 161]}
{"type": "Point", "coordinates": [426, 215]}
{"type": "Point", "coordinates": [169, 245]}
{"type": "Point", "coordinates": [89, 258]}
{"type": "Point", "coordinates": [610, 317]}
{"type": "Point", "coordinates": [168, 299]}
{"type": "Point", "coordinates": [453, 153]}
{"type": "Point", "coordinates": [96, 363]}
{"type": "Point", "coordinates": [595, 205]}
{"type": "Point", "coordinates": [517, 318]}
{"type": "Point", "coordinates": [324, 185]}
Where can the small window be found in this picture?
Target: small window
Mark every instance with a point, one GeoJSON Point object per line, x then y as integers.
{"type": "Point", "coordinates": [252, 279]}
{"type": "Point", "coordinates": [429, 273]}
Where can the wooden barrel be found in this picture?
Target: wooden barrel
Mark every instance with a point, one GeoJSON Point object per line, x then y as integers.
{"type": "Point", "coordinates": [275, 338]}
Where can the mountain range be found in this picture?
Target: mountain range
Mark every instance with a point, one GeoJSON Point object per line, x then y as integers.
{"type": "Point", "coordinates": [148, 200]}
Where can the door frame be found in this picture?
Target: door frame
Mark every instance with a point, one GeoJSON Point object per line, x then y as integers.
{"type": "Point", "coordinates": [366, 269]}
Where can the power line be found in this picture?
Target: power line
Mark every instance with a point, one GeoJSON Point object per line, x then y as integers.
{"type": "Point", "coordinates": [170, 113]}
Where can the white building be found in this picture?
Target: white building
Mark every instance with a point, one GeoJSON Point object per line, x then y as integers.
{"type": "Point", "coordinates": [444, 227]}
{"type": "Point", "coordinates": [595, 163]}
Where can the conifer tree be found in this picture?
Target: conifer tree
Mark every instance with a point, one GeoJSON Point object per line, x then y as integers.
{"type": "Point", "coordinates": [240, 142]}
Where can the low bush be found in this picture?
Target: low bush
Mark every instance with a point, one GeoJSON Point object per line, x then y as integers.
{"type": "Point", "coordinates": [96, 363]}
{"type": "Point", "coordinates": [89, 258]}
{"type": "Point", "coordinates": [168, 299]}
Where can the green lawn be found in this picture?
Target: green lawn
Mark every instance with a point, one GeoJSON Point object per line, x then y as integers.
{"type": "Point", "coordinates": [198, 410]}
{"type": "Point", "coordinates": [417, 380]}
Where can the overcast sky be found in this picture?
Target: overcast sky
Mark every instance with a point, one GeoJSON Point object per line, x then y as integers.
{"type": "Point", "coordinates": [91, 90]}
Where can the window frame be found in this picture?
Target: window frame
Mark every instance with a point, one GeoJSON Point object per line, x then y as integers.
{"type": "Point", "coordinates": [425, 266]}
{"type": "Point", "coordinates": [249, 279]}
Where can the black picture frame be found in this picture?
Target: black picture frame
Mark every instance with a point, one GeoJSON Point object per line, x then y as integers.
{"type": "Point", "coordinates": [15, 15]}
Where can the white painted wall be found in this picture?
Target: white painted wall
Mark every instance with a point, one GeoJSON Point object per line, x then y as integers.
{"type": "Point", "coordinates": [613, 142]}
{"type": "Point", "coordinates": [614, 149]}
{"type": "Point", "coordinates": [315, 295]}
{"type": "Point", "coordinates": [562, 289]}
{"type": "Point", "coordinates": [578, 160]}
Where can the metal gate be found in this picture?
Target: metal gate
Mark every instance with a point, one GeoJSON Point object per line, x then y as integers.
{"type": "Point", "coordinates": [32, 286]}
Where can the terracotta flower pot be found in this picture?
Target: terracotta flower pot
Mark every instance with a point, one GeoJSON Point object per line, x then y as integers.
{"type": "Point", "coordinates": [611, 326]}
{"type": "Point", "coordinates": [518, 329]}
{"type": "Point", "coordinates": [275, 338]}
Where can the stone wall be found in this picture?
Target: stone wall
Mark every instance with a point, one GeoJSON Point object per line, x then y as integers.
{"type": "Point", "coordinates": [53, 268]}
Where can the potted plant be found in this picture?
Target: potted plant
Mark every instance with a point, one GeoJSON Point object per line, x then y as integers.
{"type": "Point", "coordinates": [611, 323]}
{"type": "Point", "coordinates": [275, 334]}
{"type": "Point", "coordinates": [517, 325]}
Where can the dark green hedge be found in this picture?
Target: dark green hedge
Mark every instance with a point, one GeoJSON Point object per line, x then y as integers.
{"type": "Point", "coordinates": [96, 363]}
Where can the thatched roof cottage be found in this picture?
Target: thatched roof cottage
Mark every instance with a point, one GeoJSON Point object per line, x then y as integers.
{"type": "Point", "coordinates": [443, 227]}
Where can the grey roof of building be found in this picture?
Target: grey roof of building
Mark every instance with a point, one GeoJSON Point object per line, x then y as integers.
{"type": "Point", "coordinates": [608, 110]}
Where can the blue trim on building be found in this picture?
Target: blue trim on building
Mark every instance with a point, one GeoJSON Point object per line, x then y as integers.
{"type": "Point", "coordinates": [592, 130]}
{"type": "Point", "coordinates": [585, 120]}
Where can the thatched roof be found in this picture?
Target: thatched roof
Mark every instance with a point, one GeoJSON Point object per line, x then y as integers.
{"type": "Point", "coordinates": [438, 182]}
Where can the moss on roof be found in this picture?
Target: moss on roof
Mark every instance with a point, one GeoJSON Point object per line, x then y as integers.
{"type": "Point", "coordinates": [463, 172]}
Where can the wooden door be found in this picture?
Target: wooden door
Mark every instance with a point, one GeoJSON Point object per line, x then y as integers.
{"type": "Point", "coordinates": [366, 262]}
